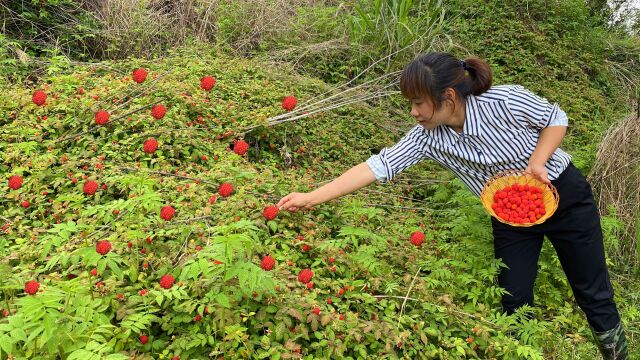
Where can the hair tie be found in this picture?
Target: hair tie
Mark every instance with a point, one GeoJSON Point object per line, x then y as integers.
{"type": "Point", "coordinates": [464, 64]}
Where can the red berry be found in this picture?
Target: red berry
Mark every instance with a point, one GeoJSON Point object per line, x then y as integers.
{"type": "Point", "coordinates": [31, 287]}
{"type": "Point", "coordinates": [270, 212]}
{"type": "Point", "coordinates": [167, 281]}
{"type": "Point", "coordinates": [309, 285]}
{"type": "Point", "coordinates": [289, 103]}
{"type": "Point", "coordinates": [316, 310]}
{"type": "Point", "coordinates": [90, 187]}
{"type": "Point", "coordinates": [417, 238]}
{"type": "Point", "coordinates": [212, 199]}
{"type": "Point", "coordinates": [167, 212]}
{"type": "Point", "coordinates": [150, 146]}
{"type": "Point", "coordinates": [267, 263]}
{"type": "Point", "coordinates": [207, 82]}
{"type": "Point", "coordinates": [158, 111]}
{"type": "Point", "coordinates": [139, 75]}
{"type": "Point", "coordinates": [240, 147]}
{"type": "Point", "coordinates": [143, 292]}
{"type": "Point", "coordinates": [143, 339]}
{"type": "Point", "coordinates": [225, 189]}
{"type": "Point", "coordinates": [331, 260]}
{"type": "Point", "coordinates": [25, 204]}
{"type": "Point", "coordinates": [39, 97]}
{"type": "Point", "coordinates": [102, 117]}
{"type": "Point", "coordinates": [305, 275]}
{"type": "Point", "coordinates": [103, 247]}
{"type": "Point", "coordinates": [197, 318]}
{"type": "Point", "coordinates": [94, 272]}
{"type": "Point", "coordinates": [15, 182]}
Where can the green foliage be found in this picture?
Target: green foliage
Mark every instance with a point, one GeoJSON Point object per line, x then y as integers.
{"type": "Point", "coordinates": [382, 28]}
{"type": "Point", "coordinates": [388, 298]}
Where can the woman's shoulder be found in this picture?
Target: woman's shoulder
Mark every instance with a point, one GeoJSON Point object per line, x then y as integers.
{"type": "Point", "coordinates": [499, 93]}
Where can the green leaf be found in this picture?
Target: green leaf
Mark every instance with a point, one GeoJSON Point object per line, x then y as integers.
{"type": "Point", "coordinates": [116, 269]}
{"type": "Point", "coordinates": [102, 265]}
{"type": "Point", "coordinates": [223, 300]}
{"type": "Point", "coordinates": [133, 271]}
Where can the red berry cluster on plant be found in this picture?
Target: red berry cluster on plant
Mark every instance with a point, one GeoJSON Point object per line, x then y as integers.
{"type": "Point", "coordinates": [103, 247]}
{"type": "Point", "coordinates": [267, 263]}
{"type": "Point", "coordinates": [289, 102]}
{"type": "Point", "coordinates": [305, 275]}
{"type": "Point", "coordinates": [207, 82]}
{"type": "Point", "coordinates": [39, 97]}
{"type": "Point", "coordinates": [167, 212]}
{"type": "Point", "coordinates": [158, 111]}
{"type": "Point", "coordinates": [519, 203]}
{"type": "Point", "coordinates": [225, 189]}
{"type": "Point", "coordinates": [150, 145]}
{"type": "Point", "coordinates": [240, 147]}
{"type": "Point", "coordinates": [417, 238]}
{"type": "Point", "coordinates": [90, 187]}
{"type": "Point", "coordinates": [102, 117]}
{"type": "Point", "coordinates": [270, 212]}
{"type": "Point", "coordinates": [15, 182]}
{"type": "Point", "coordinates": [139, 75]}
{"type": "Point", "coordinates": [167, 281]}
{"type": "Point", "coordinates": [31, 287]}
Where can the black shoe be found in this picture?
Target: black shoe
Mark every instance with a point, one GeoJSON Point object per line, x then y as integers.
{"type": "Point", "coordinates": [612, 343]}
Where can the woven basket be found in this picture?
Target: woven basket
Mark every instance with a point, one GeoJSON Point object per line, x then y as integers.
{"type": "Point", "coordinates": [550, 196]}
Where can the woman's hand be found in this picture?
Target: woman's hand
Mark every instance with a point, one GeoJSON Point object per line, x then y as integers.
{"type": "Point", "coordinates": [539, 171]}
{"type": "Point", "coordinates": [295, 201]}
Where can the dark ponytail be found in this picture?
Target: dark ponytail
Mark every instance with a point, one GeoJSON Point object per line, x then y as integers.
{"type": "Point", "coordinates": [429, 75]}
{"type": "Point", "coordinates": [480, 74]}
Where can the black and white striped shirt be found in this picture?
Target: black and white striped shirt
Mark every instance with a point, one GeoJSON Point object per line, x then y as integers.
{"type": "Point", "coordinates": [501, 131]}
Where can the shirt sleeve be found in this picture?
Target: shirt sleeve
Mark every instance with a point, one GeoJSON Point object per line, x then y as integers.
{"type": "Point", "coordinates": [391, 161]}
{"type": "Point", "coordinates": [534, 111]}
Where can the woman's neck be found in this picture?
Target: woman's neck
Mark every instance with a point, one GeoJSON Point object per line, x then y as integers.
{"type": "Point", "coordinates": [458, 117]}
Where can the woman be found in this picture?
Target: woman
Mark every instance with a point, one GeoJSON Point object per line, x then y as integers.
{"type": "Point", "coordinates": [476, 130]}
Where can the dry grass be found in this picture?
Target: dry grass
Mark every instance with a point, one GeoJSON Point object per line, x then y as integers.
{"type": "Point", "coordinates": [134, 28]}
{"type": "Point", "coordinates": [616, 182]}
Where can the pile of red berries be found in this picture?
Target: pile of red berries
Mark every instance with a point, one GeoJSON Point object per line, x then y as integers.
{"type": "Point", "coordinates": [519, 203]}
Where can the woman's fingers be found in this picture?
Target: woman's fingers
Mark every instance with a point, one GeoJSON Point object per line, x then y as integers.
{"type": "Point", "coordinates": [281, 204]}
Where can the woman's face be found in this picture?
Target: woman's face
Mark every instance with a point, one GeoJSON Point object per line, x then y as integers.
{"type": "Point", "coordinates": [425, 114]}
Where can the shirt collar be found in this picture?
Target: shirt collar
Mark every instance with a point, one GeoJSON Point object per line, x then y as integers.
{"type": "Point", "coordinates": [472, 117]}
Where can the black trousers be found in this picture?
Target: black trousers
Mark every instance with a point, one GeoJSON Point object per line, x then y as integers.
{"type": "Point", "coordinates": [575, 233]}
